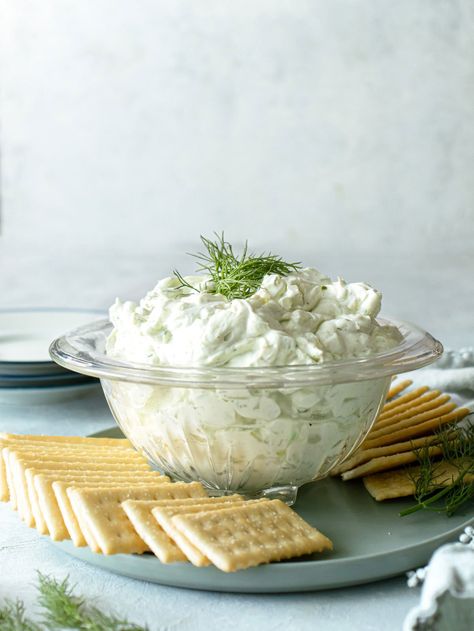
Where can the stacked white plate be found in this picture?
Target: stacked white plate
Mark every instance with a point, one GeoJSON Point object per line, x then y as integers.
{"type": "Point", "coordinates": [25, 336]}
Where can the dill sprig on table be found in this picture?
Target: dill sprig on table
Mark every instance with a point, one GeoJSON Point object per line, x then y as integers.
{"type": "Point", "coordinates": [457, 445]}
{"type": "Point", "coordinates": [61, 609]}
{"type": "Point", "coordinates": [232, 275]}
{"type": "Point", "coordinates": [64, 610]}
{"type": "Point", "coordinates": [13, 618]}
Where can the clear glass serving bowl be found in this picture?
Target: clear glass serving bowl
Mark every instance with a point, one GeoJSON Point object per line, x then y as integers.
{"type": "Point", "coordinates": [256, 431]}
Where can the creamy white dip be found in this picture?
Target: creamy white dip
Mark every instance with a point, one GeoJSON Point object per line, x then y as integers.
{"type": "Point", "coordinates": [247, 438]}
{"type": "Point", "coordinates": [302, 318]}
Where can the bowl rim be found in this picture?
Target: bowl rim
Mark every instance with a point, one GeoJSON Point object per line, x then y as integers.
{"type": "Point", "coordinates": [77, 350]}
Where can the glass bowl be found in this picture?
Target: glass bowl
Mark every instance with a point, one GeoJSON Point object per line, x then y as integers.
{"type": "Point", "coordinates": [257, 431]}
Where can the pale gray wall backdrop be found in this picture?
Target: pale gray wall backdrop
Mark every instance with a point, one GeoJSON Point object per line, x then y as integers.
{"type": "Point", "coordinates": [337, 131]}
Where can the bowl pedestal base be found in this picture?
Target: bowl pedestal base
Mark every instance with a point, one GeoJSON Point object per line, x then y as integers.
{"type": "Point", "coordinates": [285, 493]}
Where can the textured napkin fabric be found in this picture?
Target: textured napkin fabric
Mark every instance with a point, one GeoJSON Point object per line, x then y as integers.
{"type": "Point", "coordinates": [447, 598]}
{"type": "Point", "coordinates": [452, 373]}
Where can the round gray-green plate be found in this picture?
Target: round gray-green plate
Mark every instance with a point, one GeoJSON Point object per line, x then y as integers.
{"type": "Point", "coordinates": [371, 542]}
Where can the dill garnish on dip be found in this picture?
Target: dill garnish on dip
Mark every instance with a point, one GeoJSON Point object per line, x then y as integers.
{"type": "Point", "coordinates": [249, 310]}
{"type": "Point", "coordinates": [235, 276]}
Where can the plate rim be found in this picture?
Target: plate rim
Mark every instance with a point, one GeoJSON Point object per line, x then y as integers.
{"type": "Point", "coordinates": [43, 362]}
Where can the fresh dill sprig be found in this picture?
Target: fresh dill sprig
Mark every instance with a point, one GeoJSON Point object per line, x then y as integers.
{"type": "Point", "coordinates": [13, 618]}
{"type": "Point", "coordinates": [232, 275]}
{"type": "Point", "coordinates": [448, 495]}
{"type": "Point", "coordinates": [62, 609]}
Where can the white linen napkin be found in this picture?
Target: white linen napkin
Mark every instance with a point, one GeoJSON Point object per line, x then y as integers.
{"type": "Point", "coordinates": [452, 373]}
{"type": "Point", "coordinates": [447, 597]}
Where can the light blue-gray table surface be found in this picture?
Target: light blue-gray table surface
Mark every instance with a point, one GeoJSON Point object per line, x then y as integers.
{"type": "Point", "coordinates": [433, 297]}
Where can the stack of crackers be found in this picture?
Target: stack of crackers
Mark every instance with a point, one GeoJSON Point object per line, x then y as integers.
{"type": "Point", "coordinates": [409, 421]}
{"type": "Point", "coordinates": [102, 493]}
